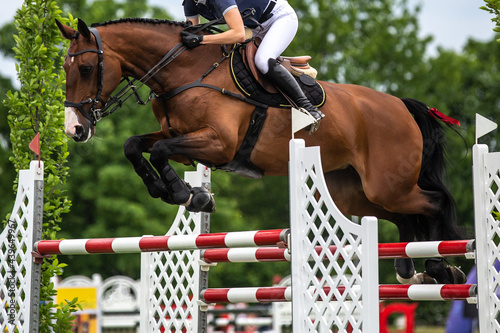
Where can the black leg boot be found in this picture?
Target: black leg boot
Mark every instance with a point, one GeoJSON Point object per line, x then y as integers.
{"type": "Point", "coordinates": [285, 82]}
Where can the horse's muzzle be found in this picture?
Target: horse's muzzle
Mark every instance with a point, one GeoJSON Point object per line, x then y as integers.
{"type": "Point", "coordinates": [74, 128]}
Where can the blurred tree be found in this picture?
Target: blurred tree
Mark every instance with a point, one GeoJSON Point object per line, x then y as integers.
{"type": "Point", "coordinates": [493, 7]}
{"type": "Point", "coordinates": [371, 43]}
{"type": "Point", "coordinates": [7, 170]}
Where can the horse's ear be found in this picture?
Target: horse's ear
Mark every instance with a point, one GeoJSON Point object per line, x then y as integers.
{"type": "Point", "coordinates": [67, 32]}
{"type": "Point", "coordinates": [83, 29]}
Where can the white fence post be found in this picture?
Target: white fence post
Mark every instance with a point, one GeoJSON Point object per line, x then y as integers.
{"type": "Point", "coordinates": [317, 223]}
{"type": "Point", "coordinates": [19, 275]}
{"type": "Point", "coordinates": [486, 172]}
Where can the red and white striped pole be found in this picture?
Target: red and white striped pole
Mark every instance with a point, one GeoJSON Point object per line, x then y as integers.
{"type": "Point", "coordinates": [386, 251]}
{"type": "Point", "coordinates": [416, 292]}
{"type": "Point", "coordinates": [162, 243]}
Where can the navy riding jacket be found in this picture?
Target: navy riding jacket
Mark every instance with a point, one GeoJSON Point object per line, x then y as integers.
{"type": "Point", "coordinates": [215, 9]}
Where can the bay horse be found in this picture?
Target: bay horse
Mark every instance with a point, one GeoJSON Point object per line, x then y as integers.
{"type": "Point", "coordinates": [382, 156]}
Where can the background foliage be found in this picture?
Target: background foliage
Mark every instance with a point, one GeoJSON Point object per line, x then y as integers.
{"type": "Point", "coordinates": [367, 42]}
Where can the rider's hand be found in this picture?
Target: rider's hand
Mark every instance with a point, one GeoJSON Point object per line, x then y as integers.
{"type": "Point", "coordinates": [191, 40]}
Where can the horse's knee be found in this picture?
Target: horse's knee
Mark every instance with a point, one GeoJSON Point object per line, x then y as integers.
{"type": "Point", "coordinates": [159, 155]}
{"type": "Point", "coordinates": [132, 149]}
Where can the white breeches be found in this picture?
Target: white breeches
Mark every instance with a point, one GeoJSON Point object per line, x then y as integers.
{"type": "Point", "coordinates": [277, 33]}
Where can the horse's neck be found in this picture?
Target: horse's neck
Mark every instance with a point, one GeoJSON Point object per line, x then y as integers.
{"type": "Point", "coordinates": [142, 51]}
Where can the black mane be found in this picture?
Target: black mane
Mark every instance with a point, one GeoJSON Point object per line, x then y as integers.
{"type": "Point", "coordinates": [141, 20]}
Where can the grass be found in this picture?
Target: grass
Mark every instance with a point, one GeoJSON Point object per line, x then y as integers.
{"type": "Point", "coordinates": [428, 329]}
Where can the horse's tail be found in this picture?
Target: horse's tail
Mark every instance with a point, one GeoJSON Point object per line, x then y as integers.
{"type": "Point", "coordinates": [443, 226]}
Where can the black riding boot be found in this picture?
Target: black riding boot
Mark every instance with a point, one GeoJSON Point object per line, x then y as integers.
{"type": "Point", "coordinates": [285, 82]}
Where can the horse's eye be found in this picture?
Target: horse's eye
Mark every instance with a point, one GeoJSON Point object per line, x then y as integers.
{"type": "Point", "coordinates": [85, 70]}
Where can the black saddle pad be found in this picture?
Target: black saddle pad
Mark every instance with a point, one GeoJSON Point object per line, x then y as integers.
{"type": "Point", "coordinates": [248, 86]}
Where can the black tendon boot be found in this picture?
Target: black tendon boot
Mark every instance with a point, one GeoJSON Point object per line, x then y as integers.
{"type": "Point", "coordinates": [285, 82]}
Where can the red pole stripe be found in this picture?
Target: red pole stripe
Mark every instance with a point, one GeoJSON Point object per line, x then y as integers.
{"type": "Point", "coordinates": [158, 243]}
{"type": "Point", "coordinates": [218, 295]}
{"type": "Point", "coordinates": [271, 294]}
{"type": "Point", "coordinates": [453, 291]}
{"type": "Point", "coordinates": [392, 250]}
{"type": "Point", "coordinates": [215, 255]}
{"type": "Point", "coordinates": [207, 241]}
{"type": "Point", "coordinates": [388, 292]}
{"type": "Point", "coordinates": [99, 245]}
{"type": "Point", "coordinates": [454, 248]}
{"type": "Point", "coordinates": [270, 254]}
{"type": "Point", "coordinates": [266, 237]}
{"type": "Point", "coordinates": [48, 246]}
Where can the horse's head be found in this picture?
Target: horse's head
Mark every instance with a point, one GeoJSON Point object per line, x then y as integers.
{"type": "Point", "coordinates": [91, 77]}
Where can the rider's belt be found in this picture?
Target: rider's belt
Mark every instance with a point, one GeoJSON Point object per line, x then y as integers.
{"type": "Point", "coordinates": [267, 13]}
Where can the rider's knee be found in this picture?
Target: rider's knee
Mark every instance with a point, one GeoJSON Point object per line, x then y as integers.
{"type": "Point", "coordinates": [262, 63]}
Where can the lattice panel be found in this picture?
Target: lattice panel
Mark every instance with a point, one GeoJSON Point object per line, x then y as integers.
{"type": "Point", "coordinates": [492, 191]}
{"type": "Point", "coordinates": [328, 287]}
{"type": "Point", "coordinates": [16, 244]}
{"type": "Point", "coordinates": [173, 277]}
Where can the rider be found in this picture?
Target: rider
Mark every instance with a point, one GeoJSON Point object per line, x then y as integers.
{"type": "Point", "coordinates": [276, 25]}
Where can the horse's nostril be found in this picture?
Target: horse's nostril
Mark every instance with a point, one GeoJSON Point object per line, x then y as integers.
{"type": "Point", "coordinates": [78, 132]}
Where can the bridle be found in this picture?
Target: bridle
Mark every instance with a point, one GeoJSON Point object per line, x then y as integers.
{"type": "Point", "coordinates": [95, 114]}
{"type": "Point", "coordinates": [127, 91]}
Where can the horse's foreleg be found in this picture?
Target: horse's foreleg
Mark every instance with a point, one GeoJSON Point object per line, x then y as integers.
{"type": "Point", "coordinates": [179, 191]}
{"type": "Point", "coordinates": [133, 149]}
{"type": "Point", "coordinates": [195, 199]}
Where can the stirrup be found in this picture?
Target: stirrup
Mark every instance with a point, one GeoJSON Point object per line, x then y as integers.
{"type": "Point", "coordinates": [314, 126]}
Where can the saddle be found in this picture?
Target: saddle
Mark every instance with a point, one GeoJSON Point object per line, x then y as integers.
{"type": "Point", "coordinates": [295, 65]}
{"type": "Point", "coordinates": [255, 86]}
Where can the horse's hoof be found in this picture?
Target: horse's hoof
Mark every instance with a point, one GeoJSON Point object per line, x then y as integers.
{"type": "Point", "coordinates": [403, 280]}
{"type": "Point", "coordinates": [456, 275]}
{"type": "Point", "coordinates": [201, 201]}
{"type": "Point", "coordinates": [418, 278]}
{"type": "Point", "coordinates": [426, 279]}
